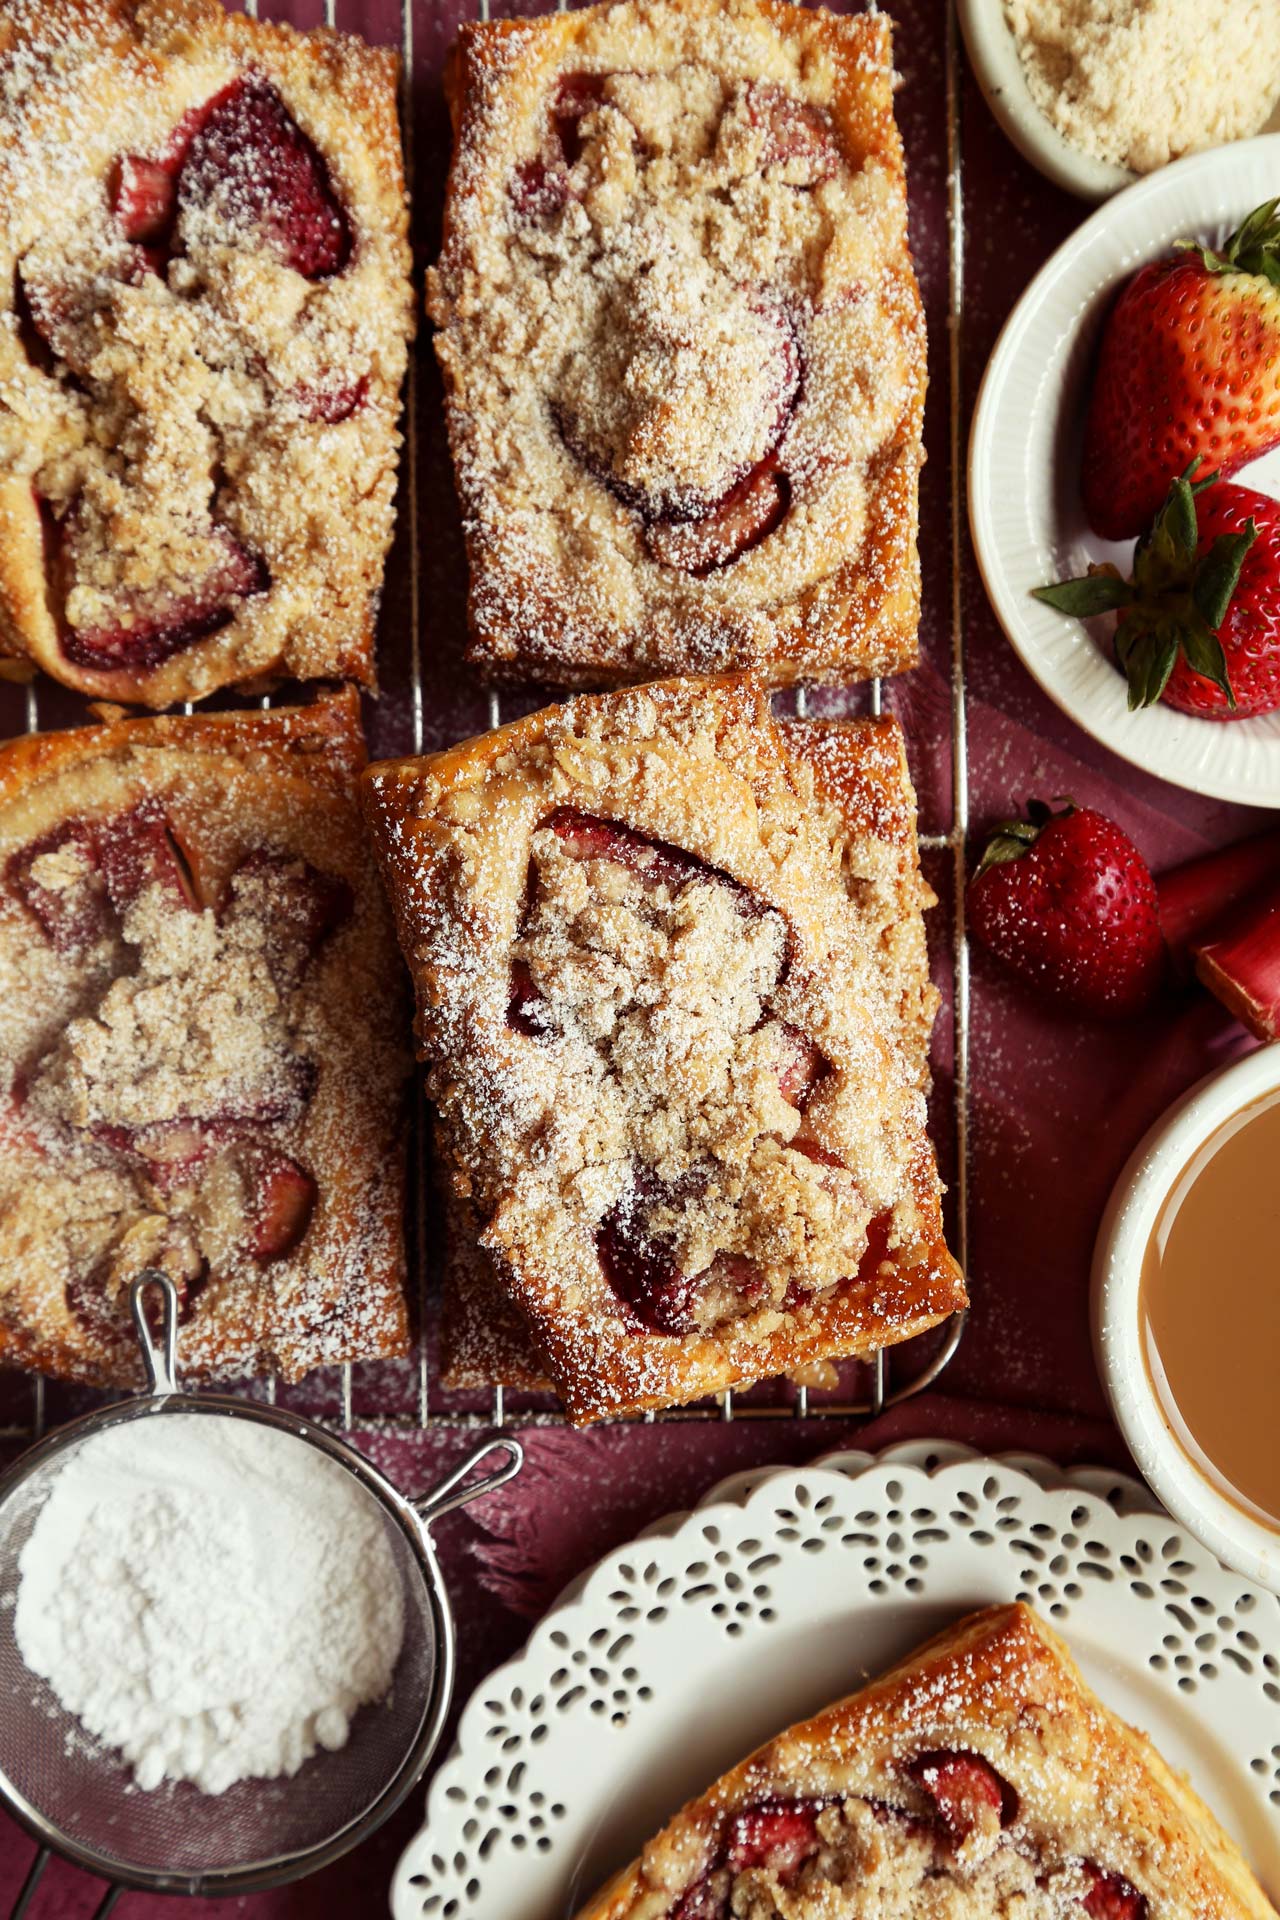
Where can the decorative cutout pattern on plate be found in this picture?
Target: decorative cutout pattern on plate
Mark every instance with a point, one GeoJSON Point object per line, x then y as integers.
{"type": "Point", "coordinates": [843, 1567]}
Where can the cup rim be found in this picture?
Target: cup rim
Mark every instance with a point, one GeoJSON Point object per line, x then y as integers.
{"type": "Point", "coordinates": [1239, 1541]}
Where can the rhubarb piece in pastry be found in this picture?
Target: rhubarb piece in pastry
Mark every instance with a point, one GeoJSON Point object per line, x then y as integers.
{"type": "Point", "coordinates": [682, 343]}
{"type": "Point", "coordinates": [201, 1066]}
{"type": "Point", "coordinates": [980, 1780]}
{"type": "Point", "coordinates": [677, 1079]}
{"type": "Point", "coordinates": [204, 311]}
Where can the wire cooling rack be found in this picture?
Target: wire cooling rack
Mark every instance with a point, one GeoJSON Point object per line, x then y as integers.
{"type": "Point", "coordinates": [427, 702]}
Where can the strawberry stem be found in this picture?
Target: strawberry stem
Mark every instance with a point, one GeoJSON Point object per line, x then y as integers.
{"type": "Point", "coordinates": [1254, 247]}
{"type": "Point", "coordinates": [1240, 962]}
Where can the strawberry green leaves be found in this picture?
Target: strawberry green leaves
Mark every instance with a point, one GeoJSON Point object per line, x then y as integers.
{"type": "Point", "coordinates": [1177, 602]}
{"type": "Point", "coordinates": [1254, 247]}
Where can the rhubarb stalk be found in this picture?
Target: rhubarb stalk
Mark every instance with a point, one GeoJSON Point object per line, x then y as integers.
{"type": "Point", "coordinates": [1240, 962]}
{"type": "Point", "coordinates": [1196, 894]}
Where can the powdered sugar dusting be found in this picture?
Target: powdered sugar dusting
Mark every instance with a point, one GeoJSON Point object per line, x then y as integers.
{"type": "Point", "coordinates": [682, 344]}
{"type": "Point", "coordinates": [199, 440]}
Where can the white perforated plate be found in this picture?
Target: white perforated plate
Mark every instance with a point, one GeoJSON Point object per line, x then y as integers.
{"type": "Point", "coordinates": [678, 1654]}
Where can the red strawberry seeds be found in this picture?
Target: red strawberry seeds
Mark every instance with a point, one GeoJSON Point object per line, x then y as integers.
{"type": "Point", "coordinates": [1067, 903]}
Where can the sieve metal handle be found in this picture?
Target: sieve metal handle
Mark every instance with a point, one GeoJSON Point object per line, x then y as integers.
{"type": "Point", "coordinates": [160, 1360]}
{"type": "Point", "coordinates": [453, 1492]}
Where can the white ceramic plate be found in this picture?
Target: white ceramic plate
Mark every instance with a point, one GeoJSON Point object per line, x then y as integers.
{"type": "Point", "coordinates": [678, 1654]}
{"type": "Point", "coordinates": [1126, 1229]}
{"type": "Point", "coordinates": [1024, 464]}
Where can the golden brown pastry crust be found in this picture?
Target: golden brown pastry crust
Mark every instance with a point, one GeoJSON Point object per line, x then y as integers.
{"type": "Point", "coordinates": [834, 592]}
{"type": "Point", "coordinates": [700, 766]}
{"type": "Point", "coordinates": [233, 380]}
{"type": "Point", "coordinates": [1002, 1685]}
{"type": "Point", "coordinates": [229, 788]}
{"type": "Point", "coordinates": [859, 770]}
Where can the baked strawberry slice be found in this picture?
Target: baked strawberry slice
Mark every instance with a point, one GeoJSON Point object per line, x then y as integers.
{"type": "Point", "coordinates": [143, 188]}
{"type": "Point", "coordinates": [70, 902]}
{"type": "Point", "coordinates": [142, 636]}
{"type": "Point", "coordinates": [803, 1064]}
{"type": "Point", "coordinates": [332, 404]}
{"type": "Point", "coordinates": [144, 197]}
{"type": "Point", "coordinates": [1189, 368]}
{"type": "Point", "coordinates": [641, 1269]}
{"type": "Point", "coordinates": [252, 171]}
{"type": "Point", "coordinates": [1110, 1896]}
{"type": "Point", "coordinates": [656, 863]}
{"type": "Point", "coordinates": [968, 1793]}
{"type": "Point", "coordinates": [748, 514]}
{"type": "Point", "coordinates": [706, 1899]}
{"type": "Point", "coordinates": [1199, 625]}
{"type": "Point", "coordinates": [303, 903]}
{"type": "Point", "coordinates": [1067, 903]}
{"type": "Point", "coordinates": [526, 1009]}
{"type": "Point", "coordinates": [138, 850]}
{"type": "Point", "coordinates": [797, 136]}
{"type": "Point", "coordinates": [281, 1205]}
{"type": "Point", "coordinates": [776, 1833]}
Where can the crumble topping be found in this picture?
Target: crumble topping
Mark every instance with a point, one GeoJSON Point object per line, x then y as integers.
{"type": "Point", "coordinates": [200, 1065]}
{"type": "Point", "coordinates": [204, 310]}
{"type": "Point", "coordinates": [669, 1066]}
{"type": "Point", "coordinates": [680, 337]}
{"type": "Point", "coordinates": [679, 1071]}
{"type": "Point", "coordinates": [870, 1861]}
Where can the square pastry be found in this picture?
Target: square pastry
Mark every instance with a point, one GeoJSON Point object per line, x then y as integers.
{"type": "Point", "coordinates": [978, 1780]}
{"type": "Point", "coordinates": [201, 1063]}
{"type": "Point", "coordinates": [682, 343]}
{"type": "Point", "coordinates": [204, 314]}
{"type": "Point", "coordinates": [678, 1060]}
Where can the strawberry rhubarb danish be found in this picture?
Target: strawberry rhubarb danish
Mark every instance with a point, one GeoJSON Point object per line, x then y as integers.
{"type": "Point", "coordinates": [676, 1047]}
{"type": "Point", "coordinates": [682, 343]}
{"type": "Point", "coordinates": [204, 315]}
{"type": "Point", "coordinates": [979, 1780]}
{"type": "Point", "coordinates": [200, 1058]}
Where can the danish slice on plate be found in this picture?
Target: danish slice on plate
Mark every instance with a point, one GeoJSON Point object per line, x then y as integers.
{"type": "Point", "coordinates": [682, 344]}
{"type": "Point", "coordinates": [204, 311]}
{"type": "Point", "coordinates": [675, 1010]}
{"type": "Point", "coordinates": [201, 1066]}
{"type": "Point", "coordinates": [979, 1780]}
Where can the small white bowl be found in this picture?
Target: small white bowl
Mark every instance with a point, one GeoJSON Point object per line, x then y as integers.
{"type": "Point", "coordinates": [997, 64]}
{"type": "Point", "coordinates": [1237, 1540]}
{"type": "Point", "coordinates": [1000, 73]}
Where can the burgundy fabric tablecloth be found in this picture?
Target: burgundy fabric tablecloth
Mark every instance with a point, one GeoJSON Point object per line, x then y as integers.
{"type": "Point", "coordinates": [1055, 1107]}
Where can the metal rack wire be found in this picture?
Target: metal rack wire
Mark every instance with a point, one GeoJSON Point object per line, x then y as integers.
{"type": "Point", "coordinates": [880, 1393]}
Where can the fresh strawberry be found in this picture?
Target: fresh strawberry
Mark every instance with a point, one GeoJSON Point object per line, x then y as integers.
{"type": "Point", "coordinates": [1189, 369]}
{"type": "Point", "coordinates": [1067, 902]}
{"type": "Point", "coordinates": [1199, 622]}
{"type": "Point", "coordinates": [253, 168]}
{"type": "Point", "coordinates": [1110, 1897]}
{"type": "Point", "coordinates": [967, 1791]}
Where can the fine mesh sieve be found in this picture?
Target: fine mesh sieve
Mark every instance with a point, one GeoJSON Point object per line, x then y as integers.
{"type": "Point", "coordinates": [78, 1798]}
